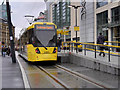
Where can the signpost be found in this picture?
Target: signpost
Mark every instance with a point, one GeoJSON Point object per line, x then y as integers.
{"type": "Point", "coordinates": [76, 28]}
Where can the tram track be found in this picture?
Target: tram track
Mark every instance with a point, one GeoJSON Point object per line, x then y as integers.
{"type": "Point", "coordinates": [75, 74]}
{"type": "Point", "coordinates": [54, 78]}
{"type": "Point", "coordinates": [81, 76]}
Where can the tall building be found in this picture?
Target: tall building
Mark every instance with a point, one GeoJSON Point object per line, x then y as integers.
{"type": "Point", "coordinates": [3, 13]}
{"type": "Point", "coordinates": [87, 21]}
{"type": "Point", "coordinates": [63, 16]}
{"type": "Point", "coordinates": [107, 19]}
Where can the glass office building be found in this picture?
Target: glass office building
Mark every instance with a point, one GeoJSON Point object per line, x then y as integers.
{"type": "Point", "coordinates": [61, 14]}
{"type": "Point", "coordinates": [3, 13]}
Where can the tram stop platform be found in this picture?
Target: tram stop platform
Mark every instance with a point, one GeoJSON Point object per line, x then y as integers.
{"type": "Point", "coordinates": [11, 76]}
{"type": "Point", "coordinates": [99, 63]}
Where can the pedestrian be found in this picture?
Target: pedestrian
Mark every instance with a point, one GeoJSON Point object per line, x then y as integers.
{"type": "Point", "coordinates": [59, 44]}
{"type": "Point", "coordinates": [8, 51]}
{"type": "Point", "coordinates": [4, 51]}
{"type": "Point", "coordinates": [101, 40]}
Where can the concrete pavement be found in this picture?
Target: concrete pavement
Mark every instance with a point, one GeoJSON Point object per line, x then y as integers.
{"type": "Point", "coordinates": [11, 73]}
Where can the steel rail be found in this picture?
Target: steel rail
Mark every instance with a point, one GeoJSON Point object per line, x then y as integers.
{"type": "Point", "coordinates": [81, 76]}
{"type": "Point", "coordinates": [54, 78]}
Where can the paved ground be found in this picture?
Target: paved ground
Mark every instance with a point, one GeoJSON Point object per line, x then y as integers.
{"type": "Point", "coordinates": [11, 73]}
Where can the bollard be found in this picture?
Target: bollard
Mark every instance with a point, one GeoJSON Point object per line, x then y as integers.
{"type": "Point", "coordinates": [69, 46]}
{"type": "Point", "coordinates": [95, 51]}
{"type": "Point", "coordinates": [72, 47]}
{"type": "Point", "coordinates": [85, 49]}
{"type": "Point", "coordinates": [109, 53]}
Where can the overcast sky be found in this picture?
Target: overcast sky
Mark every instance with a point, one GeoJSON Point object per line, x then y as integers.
{"type": "Point", "coordinates": [22, 8]}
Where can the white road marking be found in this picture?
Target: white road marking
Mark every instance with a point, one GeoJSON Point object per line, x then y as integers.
{"type": "Point", "coordinates": [25, 79]}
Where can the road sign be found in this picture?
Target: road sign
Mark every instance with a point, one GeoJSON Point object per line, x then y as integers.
{"type": "Point", "coordinates": [76, 28]}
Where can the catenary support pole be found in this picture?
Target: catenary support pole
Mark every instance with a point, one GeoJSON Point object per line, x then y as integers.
{"type": "Point", "coordinates": [10, 32]}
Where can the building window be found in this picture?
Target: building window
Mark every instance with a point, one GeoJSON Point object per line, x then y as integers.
{"type": "Point", "coordinates": [101, 3]}
{"type": "Point", "coordinates": [116, 15]}
{"type": "Point", "coordinates": [102, 21]}
{"type": "Point", "coordinates": [115, 24]}
{"type": "Point", "coordinates": [102, 18]}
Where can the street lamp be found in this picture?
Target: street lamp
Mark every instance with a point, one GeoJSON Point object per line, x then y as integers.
{"type": "Point", "coordinates": [29, 16]}
{"type": "Point", "coordinates": [75, 7]}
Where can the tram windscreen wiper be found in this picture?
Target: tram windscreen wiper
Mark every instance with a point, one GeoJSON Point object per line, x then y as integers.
{"type": "Point", "coordinates": [45, 47]}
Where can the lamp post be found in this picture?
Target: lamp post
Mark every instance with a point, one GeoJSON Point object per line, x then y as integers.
{"type": "Point", "coordinates": [29, 16]}
{"type": "Point", "coordinates": [75, 7]}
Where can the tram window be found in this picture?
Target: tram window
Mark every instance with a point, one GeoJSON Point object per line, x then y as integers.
{"type": "Point", "coordinates": [30, 37]}
{"type": "Point", "coordinates": [46, 37]}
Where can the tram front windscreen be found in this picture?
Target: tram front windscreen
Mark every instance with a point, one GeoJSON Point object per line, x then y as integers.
{"type": "Point", "coordinates": [46, 35]}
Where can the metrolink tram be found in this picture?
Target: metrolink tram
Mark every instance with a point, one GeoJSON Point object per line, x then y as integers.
{"type": "Point", "coordinates": [39, 42]}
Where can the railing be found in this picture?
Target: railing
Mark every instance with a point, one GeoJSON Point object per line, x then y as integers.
{"type": "Point", "coordinates": [90, 47]}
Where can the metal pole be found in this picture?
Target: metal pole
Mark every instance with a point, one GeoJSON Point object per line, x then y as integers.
{"type": "Point", "coordinates": [84, 49]}
{"type": "Point", "coordinates": [95, 51]}
{"type": "Point", "coordinates": [109, 54]}
{"type": "Point", "coordinates": [10, 32]}
{"type": "Point", "coordinates": [76, 25]}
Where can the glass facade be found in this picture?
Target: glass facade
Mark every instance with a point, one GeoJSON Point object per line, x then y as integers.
{"type": "Point", "coordinates": [101, 3]}
{"type": "Point", "coordinates": [115, 24]}
{"type": "Point", "coordinates": [61, 14]}
{"type": "Point", "coordinates": [102, 20]}
{"type": "Point", "coordinates": [3, 13]}
{"type": "Point", "coordinates": [116, 15]}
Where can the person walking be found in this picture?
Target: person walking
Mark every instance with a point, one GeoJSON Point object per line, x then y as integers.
{"type": "Point", "coordinates": [101, 40]}
{"type": "Point", "coordinates": [8, 51]}
{"type": "Point", "coordinates": [4, 51]}
{"type": "Point", "coordinates": [59, 44]}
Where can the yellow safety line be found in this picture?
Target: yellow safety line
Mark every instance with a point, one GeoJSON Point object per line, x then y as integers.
{"type": "Point", "coordinates": [112, 41]}
{"type": "Point", "coordinates": [102, 51]}
{"type": "Point", "coordinates": [94, 44]}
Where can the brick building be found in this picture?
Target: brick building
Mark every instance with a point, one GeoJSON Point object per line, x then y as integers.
{"type": "Point", "coordinates": [4, 32]}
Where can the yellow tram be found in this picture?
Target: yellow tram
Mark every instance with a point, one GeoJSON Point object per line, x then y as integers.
{"type": "Point", "coordinates": [39, 42]}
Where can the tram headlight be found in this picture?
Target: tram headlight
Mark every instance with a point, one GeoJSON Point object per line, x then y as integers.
{"type": "Point", "coordinates": [55, 50]}
{"type": "Point", "coordinates": [37, 51]}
